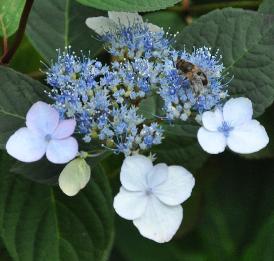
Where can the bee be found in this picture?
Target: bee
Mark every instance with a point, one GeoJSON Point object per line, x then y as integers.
{"type": "Point", "coordinates": [197, 78]}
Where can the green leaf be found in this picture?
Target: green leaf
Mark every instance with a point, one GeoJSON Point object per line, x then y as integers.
{"type": "Point", "coordinates": [133, 247]}
{"type": "Point", "coordinates": [41, 171]}
{"type": "Point", "coordinates": [171, 22]}
{"type": "Point", "coordinates": [17, 93]}
{"type": "Point", "coordinates": [10, 14]}
{"type": "Point", "coordinates": [26, 52]}
{"type": "Point", "coordinates": [238, 199]}
{"type": "Point", "coordinates": [128, 5]}
{"type": "Point", "coordinates": [41, 223]}
{"type": "Point", "coordinates": [245, 40]}
{"type": "Point", "coordinates": [55, 24]}
{"type": "Point", "coordinates": [267, 7]}
{"type": "Point", "coordinates": [263, 247]}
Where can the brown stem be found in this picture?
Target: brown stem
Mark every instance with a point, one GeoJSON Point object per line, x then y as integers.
{"type": "Point", "coordinates": [19, 34]}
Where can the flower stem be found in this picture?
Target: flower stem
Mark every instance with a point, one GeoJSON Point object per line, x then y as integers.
{"type": "Point", "coordinates": [19, 34]}
{"type": "Point", "coordinates": [205, 8]}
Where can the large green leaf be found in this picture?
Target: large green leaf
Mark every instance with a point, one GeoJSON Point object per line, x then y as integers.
{"type": "Point", "coordinates": [267, 7]}
{"type": "Point", "coordinates": [129, 5]}
{"type": "Point", "coordinates": [245, 40]}
{"type": "Point", "coordinates": [10, 14]}
{"type": "Point", "coordinates": [238, 200]}
{"type": "Point", "coordinates": [55, 24]}
{"type": "Point", "coordinates": [17, 93]}
{"type": "Point", "coordinates": [263, 246]}
{"type": "Point", "coordinates": [41, 223]}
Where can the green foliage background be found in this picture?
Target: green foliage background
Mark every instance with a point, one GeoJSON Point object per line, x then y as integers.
{"type": "Point", "coordinates": [230, 215]}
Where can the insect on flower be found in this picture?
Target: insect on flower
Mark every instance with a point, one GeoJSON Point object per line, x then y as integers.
{"type": "Point", "coordinates": [197, 78]}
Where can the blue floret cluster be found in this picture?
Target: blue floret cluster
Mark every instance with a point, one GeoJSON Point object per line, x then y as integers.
{"type": "Point", "coordinates": [104, 99]}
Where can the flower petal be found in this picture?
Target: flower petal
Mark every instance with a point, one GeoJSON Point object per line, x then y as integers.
{"type": "Point", "coordinates": [42, 118]}
{"type": "Point", "coordinates": [134, 171]}
{"type": "Point", "coordinates": [159, 221]}
{"type": "Point", "coordinates": [236, 111]}
{"type": "Point", "coordinates": [62, 151]}
{"type": "Point", "coordinates": [212, 120]}
{"type": "Point", "coordinates": [248, 138]}
{"type": "Point", "coordinates": [64, 129]}
{"type": "Point", "coordinates": [125, 18]}
{"type": "Point", "coordinates": [212, 142]}
{"type": "Point", "coordinates": [74, 177]}
{"type": "Point", "coordinates": [130, 205]}
{"type": "Point", "coordinates": [157, 175]}
{"type": "Point", "coordinates": [154, 28]}
{"type": "Point", "coordinates": [26, 146]}
{"type": "Point", "coordinates": [101, 24]}
{"type": "Point", "coordinates": [177, 188]}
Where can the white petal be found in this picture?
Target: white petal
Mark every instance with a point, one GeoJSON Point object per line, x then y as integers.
{"type": "Point", "coordinates": [154, 28]}
{"type": "Point", "coordinates": [134, 172]}
{"type": "Point", "coordinates": [74, 177]}
{"type": "Point", "coordinates": [157, 175]}
{"type": "Point", "coordinates": [64, 129]}
{"type": "Point", "coordinates": [100, 24]}
{"type": "Point", "coordinates": [177, 188]}
{"type": "Point", "coordinates": [212, 120]}
{"type": "Point", "coordinates": [62, 151]}
{"type": "Point", "coordinates": [26, 146]}
{"type": "Point", "coordinates": [159, 221]}
{"type": "Point", "coordinates": [130, 205]}
{"type": "Point", "coordinates": [248, 138]}
{"type": "Point", "coordinates": [125, 18]}
{"type": "Point", "coordinates": [212, 142]}
{"type": "Point", "coordinates": [42, 118]}
{"type": "Point", "coordinates": [236, 111]}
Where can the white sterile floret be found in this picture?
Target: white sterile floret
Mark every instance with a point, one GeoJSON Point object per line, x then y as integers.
{"type": "Point", "coordinates": [233, 127]}
{"type": "Point", "coordinates": [45, 134]}
{"type": "Point", "coordinates": [102, 25]}
{"type": "Point", "coordinates": [151, 196]}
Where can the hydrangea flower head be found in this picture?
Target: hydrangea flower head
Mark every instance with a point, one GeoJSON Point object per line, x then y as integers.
{"type": "Point", "coordinates": [233, 127]}
{"type": "Point", "coordinates": [45, 134]}
{"type": "Point", "coordinates": [151, 196]}
{"type": "Point", "coordinates": [101, 99]}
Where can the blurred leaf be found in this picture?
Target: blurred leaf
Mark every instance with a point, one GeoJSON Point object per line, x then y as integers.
{"type": "Point", "coordinates": [17, 93]}
{"type": "Point", "coordinates": [263, 247]}
{"type": "Point", "coordinates": [41, 223]}
{"type": "Point", "coordinates": [55, 24]}
{"type": "Point", "coordinates": [267, 7]}
{"type": "Point", "coordinates": [245, 40]}
{"type": "Point", "coordinates": [171, 22]}
{"type": "Point", "coordinates": [26, 58]}
{"type": "Point", "coordinates": [238, 199]}
{"type": "Point", "coordinates": [131, 6]}
{"type": "Point", "coordinates": [183, 151]}
{"type": "Point", "coordinates": [133, 247]}
{"type": "Point", "coordinates": [10, 14]}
